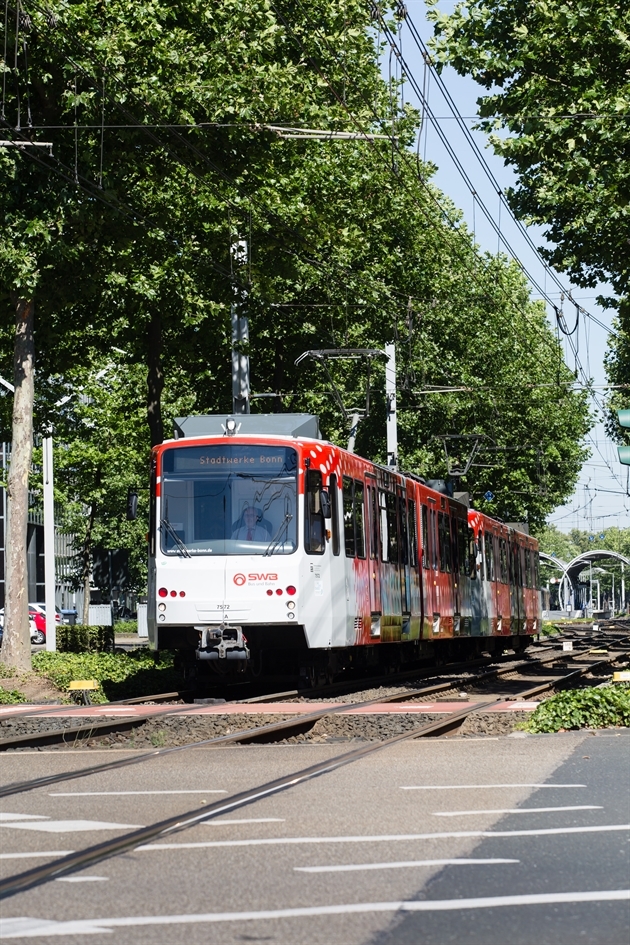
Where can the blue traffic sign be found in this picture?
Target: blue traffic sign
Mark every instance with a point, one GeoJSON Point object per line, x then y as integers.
{"type": "Point", "coordinates": [488, 496]}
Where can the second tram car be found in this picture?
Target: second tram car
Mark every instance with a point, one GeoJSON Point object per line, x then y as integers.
{"type": "Point", "coordinates": [273, 550]}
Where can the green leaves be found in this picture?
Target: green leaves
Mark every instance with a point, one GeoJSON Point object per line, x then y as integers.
{"type": "Point", "coordinates": [583, 708]}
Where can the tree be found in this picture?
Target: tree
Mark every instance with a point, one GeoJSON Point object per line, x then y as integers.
{"type": "Point", "coordinates": [345, 249]}
{"type": "Point", "coordinates": [558, 77]}
{"type": "Point", "coordinates": [557, 74]}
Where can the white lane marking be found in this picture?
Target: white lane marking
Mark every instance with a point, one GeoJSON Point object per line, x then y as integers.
{"type": "Point", "coordinates": [403, 864]}
{"type": "Point", "coordinates": [4, 817]}
{"type": "Point", "coordinates": [82, 879]}
{"type": "Point", "coordinates": [249, 820]}
{"type": "Point", "coordinates": [24, 927]}
{"type": "Point", "coordinates": [479, 787]}
{"type": "Point", "coordinates": [70, 826]}
{"type": "Point", "coordinates": [379, 838]}
{"type": "Point", "coordinates": [124, 793]}
{"type": "Point", "coordinates": [24, 856]}
{"type": "Point", "coordinates": [512, 810]}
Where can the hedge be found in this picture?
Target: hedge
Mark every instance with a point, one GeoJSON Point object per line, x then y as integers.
{"type": "Point", "coordinates": [82, 639]}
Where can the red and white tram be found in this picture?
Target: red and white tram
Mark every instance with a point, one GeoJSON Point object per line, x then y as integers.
{"type": "Point", "coordinates": [272, 548]}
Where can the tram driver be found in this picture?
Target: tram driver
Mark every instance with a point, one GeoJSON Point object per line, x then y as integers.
{"type": "Point", "coordinates": [248, 528]}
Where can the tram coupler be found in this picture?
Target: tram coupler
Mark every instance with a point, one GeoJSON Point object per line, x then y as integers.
{"type": "Point", "coordinates": [222, 643]}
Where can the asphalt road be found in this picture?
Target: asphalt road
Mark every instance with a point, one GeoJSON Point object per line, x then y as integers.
{"type": "Point", "coordinates": [433, 841]}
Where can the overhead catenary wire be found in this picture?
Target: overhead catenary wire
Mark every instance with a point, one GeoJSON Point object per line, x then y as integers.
{"type": "Point", "coordinates": [388, 291]}
{"type": "Point", "coordinates": [403, 156]}
{"type": "Point", "coordinates": [311, 260]}
{"type": "Point", "coordinates": [480, 157]}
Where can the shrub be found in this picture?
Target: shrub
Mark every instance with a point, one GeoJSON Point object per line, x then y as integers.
{"type": "Point", "coordinates": [82, 639]}
{"type": "Point", "coordinates": [582, 708]}
{"type": "Point", "coordinates": [121, 675]}
{"type": "Point", "coordinates": [11, 696]}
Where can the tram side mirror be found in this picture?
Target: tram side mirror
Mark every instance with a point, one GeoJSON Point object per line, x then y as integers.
{"type": "Point", "coordinates": [324, 503]}
{"type": "Point", "coordinates": [132, 505]}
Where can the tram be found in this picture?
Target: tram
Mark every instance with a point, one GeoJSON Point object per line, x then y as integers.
{"type": "Point", "coordinates": [273, 551]}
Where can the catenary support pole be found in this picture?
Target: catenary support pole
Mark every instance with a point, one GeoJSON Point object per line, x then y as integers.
{"type": "Point", "coordinates": [240, 336]}
{"type": "Point", "coordinates": [49, 546]}
{"type": "Point", "coordinates": [390, 394]}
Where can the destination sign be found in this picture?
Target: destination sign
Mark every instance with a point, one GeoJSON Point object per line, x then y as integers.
{"type": "Point", "coordinates": [229, 457]}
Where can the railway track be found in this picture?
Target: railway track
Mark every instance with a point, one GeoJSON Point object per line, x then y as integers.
{"type": "Point", "coordinates": [107, 726]}
{"type": "Point", "coordinates": [576, 664]}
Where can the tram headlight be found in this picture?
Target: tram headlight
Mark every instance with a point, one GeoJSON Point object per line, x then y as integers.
{"type": "Point", "coordinates": [291, 604]}
{"type": "Point", "coordinates": [291, 615]}
{"type": "Point", "coordinates": [162, 617]}
{"type": "Point", "coordinates": [161, 606]}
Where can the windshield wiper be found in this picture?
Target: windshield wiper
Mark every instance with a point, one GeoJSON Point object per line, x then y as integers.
{"type": "Point", "coordinates": [275, 541]}
{"type": "Point", "coordinates": [183, 550]}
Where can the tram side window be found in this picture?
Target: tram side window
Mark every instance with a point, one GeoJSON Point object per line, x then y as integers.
{"type": "Point", "coordinates": [359, 519]}
{"type": "Point", "coordinates": [536, 570]}
{"type": "Point", "coordinates": [434, 539]}
{"type": "Point", "coordinates": [489, 549]}
{"type": "Point", "coordinates": [373, 509]}
{"type": "Point", "coordinates": [314, 525]}
{"type": "Point", "coordinates": [503, 560]}
{"type": "Point", "coordinates": [528, 568]}
{"type": "Point", "coordinates": [348, 516]}
{"type": "Point", "coordinates": [389, 527]}
{"type": "Point", "coordinates": [445, 542]}
{"type": "Point", "coordinates": [402, 524]}
{"type": "Point", "coordinates": [472, 555]}
{"type": "Point", "coordinates": [515, 570]}
{"type": "Point", "coordinates": [412, 528]}
{"type": "Point", "coordinates": [454, 545]}
{"type": "Point", "coordinates": [334, 512]}
{"type": "Point", "coordinates": [424, 536]}
{"type": "Point", "coordinates": [463, 565]}
{"type": "Point", "coordinates": [392, 527]}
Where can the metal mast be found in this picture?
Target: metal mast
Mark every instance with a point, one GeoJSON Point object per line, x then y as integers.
{"type": "Point", "coordinates": [390, 395]}
{"type": "Point", "coordinates": [240, 336]}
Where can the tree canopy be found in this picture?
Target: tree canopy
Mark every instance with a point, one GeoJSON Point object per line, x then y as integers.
{"type": "Point", "coordinates": [162, 156]}
{"type": "Point", "coordinates": [557, 75]}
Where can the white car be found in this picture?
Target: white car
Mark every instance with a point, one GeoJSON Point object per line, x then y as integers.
{"type": "Point", "coordinates": [37, 636]}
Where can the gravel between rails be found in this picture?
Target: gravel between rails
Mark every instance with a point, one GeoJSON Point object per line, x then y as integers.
{"type": "Point", "coordinates": [182, 730]}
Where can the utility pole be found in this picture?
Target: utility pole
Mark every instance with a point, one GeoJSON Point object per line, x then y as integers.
{"type": "Point", "coordinates": [49, 546]}
{"type": "Point", "coordinates": [390, 395]}
{"type": "Point", "coordinates": [240, 336]}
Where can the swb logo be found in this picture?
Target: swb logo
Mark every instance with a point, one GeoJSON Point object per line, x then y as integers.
{"type": "Point", "coordinates": [240, 579]}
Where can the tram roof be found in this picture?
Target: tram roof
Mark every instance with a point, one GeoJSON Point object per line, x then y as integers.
{"type": "Point", "coordinates": [296, 425]}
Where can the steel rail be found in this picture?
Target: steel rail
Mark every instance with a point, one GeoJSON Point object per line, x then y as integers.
{"type": "Point", "coordinates": [345, 687]}
{"type": "Point", "coordinates": [252, 734]}
{"type": "Point", "coordinates": [101, 851]}
{"type": "Point", "coordinates": [116, 724]}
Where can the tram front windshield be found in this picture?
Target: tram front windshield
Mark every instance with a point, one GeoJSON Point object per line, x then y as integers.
{"type": "Point", "coordinates": [228, 499]}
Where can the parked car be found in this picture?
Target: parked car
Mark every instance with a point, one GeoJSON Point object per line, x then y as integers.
{"type": "Point", "coordinates": [42, 609]}
{"type": "Point", "coordinates": [38, 633]}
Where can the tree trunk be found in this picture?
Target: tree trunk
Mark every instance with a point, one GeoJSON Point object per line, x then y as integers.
{"type": "Point", "coordinates": [155, 380]}
{"type": "Point", "coordinates": [16, 643]}
{"type": "Point", "coordinates": [85, 620]}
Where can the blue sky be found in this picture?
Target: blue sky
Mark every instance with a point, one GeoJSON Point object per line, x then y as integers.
{"type": "Point", "coordinates": [600, 499]}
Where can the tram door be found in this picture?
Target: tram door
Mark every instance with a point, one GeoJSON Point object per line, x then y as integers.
{"type": "Point", "coordinates": [374, 555]}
